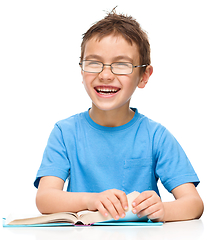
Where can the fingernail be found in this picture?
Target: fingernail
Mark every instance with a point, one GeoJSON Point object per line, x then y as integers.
{"type": "Point", "coordinates": [134, 204]}
{"type": "Point", "coordinates": [139, 215]}
{"type": "Point", "coordinates": [106, 214]}
{"type": "Point", "coordinates": [134, 211]}
{"type": "Point", "coordinates": [117, 217]}
{"type": "Point", "coordinates": [123, 215]}
{"type": "Point", "coordinates": [126, 207]}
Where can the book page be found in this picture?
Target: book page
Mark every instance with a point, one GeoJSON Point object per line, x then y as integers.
{"type": "Point", "coordinates": [48, 218]}
{"type": "Point", "coordinates": [15, 216]}
{"type": "Point", "coordinates": [93, 217]}
{"type": "Point", "coordinates": [81, 213]}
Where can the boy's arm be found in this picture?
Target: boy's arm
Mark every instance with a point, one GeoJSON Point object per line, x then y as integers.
{"type": "Point", "coordinates": [187, 205]}
{"type": "Point", "coordinates": [51, 199]}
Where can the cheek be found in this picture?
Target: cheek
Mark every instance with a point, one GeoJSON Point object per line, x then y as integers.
{"type": "Point", "coordinates": [85, 78]}
{"type": "Point", "coordinates": [88, 77]}
{"type": "Point", "coordinates": [87, 81]}
{"type": "Point", "coordinates": [129, 82]}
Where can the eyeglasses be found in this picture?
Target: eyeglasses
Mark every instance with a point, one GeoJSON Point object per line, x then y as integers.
{"type": "Point", "coordinates": [119, 68]}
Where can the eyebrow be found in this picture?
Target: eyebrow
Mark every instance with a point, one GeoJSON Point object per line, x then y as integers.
{"type": "Point", "coordinates": [121, 57]}
{"type": "Point", "coordinates": [93, 56]}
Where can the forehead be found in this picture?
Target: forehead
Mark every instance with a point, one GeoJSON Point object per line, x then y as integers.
{"type": "Point", "coordinates": [110, 48]}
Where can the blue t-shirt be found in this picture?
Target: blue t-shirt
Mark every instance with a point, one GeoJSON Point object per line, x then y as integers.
{"type": "Point", "coordinates": [131, 157]}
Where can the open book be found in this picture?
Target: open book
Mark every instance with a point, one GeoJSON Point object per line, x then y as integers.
{"type": "Point", "coordinates": [80, 218]}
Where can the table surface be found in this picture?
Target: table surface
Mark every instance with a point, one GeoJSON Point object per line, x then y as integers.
{"type": "Point", "coordinates": [195, 229]}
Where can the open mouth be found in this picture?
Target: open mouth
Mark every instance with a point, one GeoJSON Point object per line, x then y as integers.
{"type": "Point", "coordinates": [106, 90]}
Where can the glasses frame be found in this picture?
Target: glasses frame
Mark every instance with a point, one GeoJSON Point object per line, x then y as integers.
{"type": "Point", "coordinates": [110, 65]}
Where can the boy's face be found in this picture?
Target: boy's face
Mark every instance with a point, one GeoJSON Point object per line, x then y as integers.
{"type": "Point", "coordinates": [109, 91]}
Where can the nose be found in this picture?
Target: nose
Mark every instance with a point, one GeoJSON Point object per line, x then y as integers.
{"type": "Point", "coordinates": [106, 74]}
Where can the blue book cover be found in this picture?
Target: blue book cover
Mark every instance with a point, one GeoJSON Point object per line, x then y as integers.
{"type": "Point", "coordinates": [108, 223]}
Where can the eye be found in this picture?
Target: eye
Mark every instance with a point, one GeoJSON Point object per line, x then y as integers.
{"type": "Point", "coordinates": [122, 65]}
{"type": "Point", "coordinates": [93, 63]}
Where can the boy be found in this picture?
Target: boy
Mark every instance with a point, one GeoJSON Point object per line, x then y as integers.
{"type": "Point", "coordinates": [111, 149]}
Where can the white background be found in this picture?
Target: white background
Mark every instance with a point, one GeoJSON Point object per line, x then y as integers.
{"type": "Point", "coordinates": [40, 82]}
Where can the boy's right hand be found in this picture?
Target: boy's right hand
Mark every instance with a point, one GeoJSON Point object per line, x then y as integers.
{"type": "Point", "coordinates": [112, 202]}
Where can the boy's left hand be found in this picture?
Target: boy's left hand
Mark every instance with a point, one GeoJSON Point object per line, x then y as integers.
{"type": "Point", "coordinates": [149, 204]}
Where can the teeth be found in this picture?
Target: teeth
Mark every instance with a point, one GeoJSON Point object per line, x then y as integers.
{"type": "Point", "coordinates": [107, 90]}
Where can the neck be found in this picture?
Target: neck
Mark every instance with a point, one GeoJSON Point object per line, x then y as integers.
{"type": "Point", "coordinates": [111, 118]}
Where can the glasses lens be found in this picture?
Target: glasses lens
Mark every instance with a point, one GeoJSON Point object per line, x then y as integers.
{"type": "Point", "coordinates": [92, 66]}
{"type": "Point", "coordinates": [122, 68]}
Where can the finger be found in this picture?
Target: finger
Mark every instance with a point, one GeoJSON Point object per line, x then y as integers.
{"type": "Point", "coordinates": [122, 198]}
{"type": "Point", "coordinates": [148, 211]}
{"type": "Point", "coordinates": [142, 197]}
{"type": "Point", "coordinates": [144, 205]}
{"type": "Point", "coordinates": [140, 207]}
{"type": "Point", "coordinates": [156, 216]}
{"type": "Point", "coordinates": [102, 210]}
{"type": "Point", "coordinates": [154, 212]}
{"type": "Point", "coordinates": [152, 199]}
{"type": "Point", "coordinates": [117, 207]}
{"type": "Point", "coordinates": [108, 205]}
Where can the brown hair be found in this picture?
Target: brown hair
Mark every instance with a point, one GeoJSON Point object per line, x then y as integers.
{"type": "Point", "coordinates": [119, 24]}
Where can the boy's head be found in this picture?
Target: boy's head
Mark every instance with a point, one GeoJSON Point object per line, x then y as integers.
{"type": "Point", "coordinates": [120, 25]}
{"type": "Point", "coordinates": [115, 60]}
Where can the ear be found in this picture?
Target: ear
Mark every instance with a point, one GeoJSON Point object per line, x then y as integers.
{"type": "Point", "coordinates": [145, 77]}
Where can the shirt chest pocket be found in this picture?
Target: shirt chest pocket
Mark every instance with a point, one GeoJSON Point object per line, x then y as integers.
{"type": "Point", "coordinates": [138, 175]}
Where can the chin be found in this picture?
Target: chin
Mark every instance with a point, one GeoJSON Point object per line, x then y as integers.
{"type": "Point", "coordinates": [109, 107]}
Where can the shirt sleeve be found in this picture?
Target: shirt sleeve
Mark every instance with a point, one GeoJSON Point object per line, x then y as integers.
{"type": "Point", "coordinates": [173, 167]}
{"type": "Point", "coordinates": [55, 160]}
